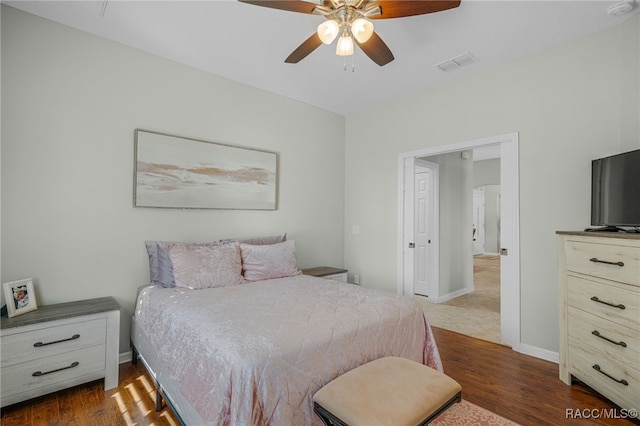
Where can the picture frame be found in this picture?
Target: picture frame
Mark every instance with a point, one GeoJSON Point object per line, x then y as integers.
{"type": "Point", "coordinates": [184, 173]}
{"type": "Point", "coordinates": [20, 297]}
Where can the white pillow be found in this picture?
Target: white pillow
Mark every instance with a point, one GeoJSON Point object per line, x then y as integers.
{"type": "Point", "coordinates": [264, 262]}
{"type": "Point", "coordinates": [205, 266]}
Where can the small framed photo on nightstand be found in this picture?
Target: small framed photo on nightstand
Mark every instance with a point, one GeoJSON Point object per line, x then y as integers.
{"type": "Point", "coordinates": [20, 297]}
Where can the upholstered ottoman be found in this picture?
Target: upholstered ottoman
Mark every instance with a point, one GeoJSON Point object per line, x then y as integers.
{"type": "Point", "coordinates": [388, 391]}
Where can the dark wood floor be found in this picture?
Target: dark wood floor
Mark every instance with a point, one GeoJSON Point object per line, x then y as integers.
{"type": "Point", "coordinates": [132, 403]}
{"type": "Point", "coordinates": [521, 388]}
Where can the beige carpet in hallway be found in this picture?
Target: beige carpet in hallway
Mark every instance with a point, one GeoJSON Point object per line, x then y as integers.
{"type": "Point", "coordinates": [476, 314]}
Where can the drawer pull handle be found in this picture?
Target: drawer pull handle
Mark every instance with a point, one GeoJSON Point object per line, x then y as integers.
{"type": "Point", "coordinates": [619, 305]}
{"type": "Point", "coordinates": [596, 260]}
{"type": "Point", "coordinates": [40, 344]}
{"type": "Point", "coordinates": [599, 370]}
{"type": "Point", "coordinates": [597, 334]}
{"type": "Point", "coordinates": [40, 373]}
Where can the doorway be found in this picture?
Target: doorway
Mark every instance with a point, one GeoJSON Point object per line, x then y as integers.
{"type": "Point", "coordinates": [509, 249]}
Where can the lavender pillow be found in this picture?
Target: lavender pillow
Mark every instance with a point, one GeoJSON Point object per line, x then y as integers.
{"type": "Point", "coordinates": [198, 266]}
{"type": "Point", "coordinates": [264, 262]}
{"type": "Point", "coordinates": [160, 265]}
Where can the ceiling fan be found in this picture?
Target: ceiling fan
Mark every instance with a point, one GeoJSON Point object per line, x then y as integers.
{"type": "Point", "coordinates": [349, 21]}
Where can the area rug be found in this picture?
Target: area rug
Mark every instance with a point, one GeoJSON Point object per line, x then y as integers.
{"type": "Point", "coordinates": [468, 414]}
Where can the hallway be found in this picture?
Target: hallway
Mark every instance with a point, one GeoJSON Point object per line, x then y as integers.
{"type": "Point", "coordinates": [475, 314]}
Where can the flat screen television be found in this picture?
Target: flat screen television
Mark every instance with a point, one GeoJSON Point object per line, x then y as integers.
{"type": "Point", "coordinates": [615, 192]}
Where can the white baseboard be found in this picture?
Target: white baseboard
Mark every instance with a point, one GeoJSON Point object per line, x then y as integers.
{"type": "Point", "coordinates": [453, 295]}
{"type": "Point", "coordinates": [124, 357]}
{"type": "Point", "coordinates": [536, 352]}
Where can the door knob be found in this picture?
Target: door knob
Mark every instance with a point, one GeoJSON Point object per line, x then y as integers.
{"type": "Point", "coordinates": [412, 245]}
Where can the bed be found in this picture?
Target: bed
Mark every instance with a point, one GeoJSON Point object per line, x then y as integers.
{"type": "Point", "coordinates": [255, 352]}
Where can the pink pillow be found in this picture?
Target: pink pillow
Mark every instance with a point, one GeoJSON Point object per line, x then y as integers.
{"type": "Point", "coordinates": [206, 266]}
{"type": "Point", "coordinates": [264, 262]}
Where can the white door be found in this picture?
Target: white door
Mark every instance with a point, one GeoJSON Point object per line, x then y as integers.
{"type": "Point", "coordinates": [478, 223]}
{"type": "Point", "coordinates": [423, 247]}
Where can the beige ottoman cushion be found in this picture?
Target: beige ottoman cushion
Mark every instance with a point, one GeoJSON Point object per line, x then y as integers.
{"type": "Point", "coordinates": [388, 391]}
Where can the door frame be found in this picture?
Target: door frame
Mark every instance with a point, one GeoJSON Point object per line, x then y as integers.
{"type": "Point", "coordinates": [509, 230]}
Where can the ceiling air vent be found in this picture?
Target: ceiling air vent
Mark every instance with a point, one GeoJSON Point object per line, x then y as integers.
{"type": "Point", "coordinates": [457, 62]}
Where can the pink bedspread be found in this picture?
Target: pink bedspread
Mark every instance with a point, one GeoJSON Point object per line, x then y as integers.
{"type": "Point", "coordinates": [256, 353]}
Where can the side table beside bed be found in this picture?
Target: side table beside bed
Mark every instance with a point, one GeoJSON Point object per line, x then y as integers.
{"type": "Point", "coordinates": [59, 346]}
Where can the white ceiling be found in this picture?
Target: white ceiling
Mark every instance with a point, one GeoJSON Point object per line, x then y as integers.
{"type": "Point", "coordinates": [248, 44]}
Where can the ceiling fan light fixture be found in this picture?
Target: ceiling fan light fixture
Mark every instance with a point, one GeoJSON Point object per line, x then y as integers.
{"type": "Point", "coordinates": [352, 19]}
{"type": "Point", "coordinates": [328, 31]}
{"type": "Point", "coordinates": [344, 47]}
{"type": "Point", "coordinates": [362, 30]}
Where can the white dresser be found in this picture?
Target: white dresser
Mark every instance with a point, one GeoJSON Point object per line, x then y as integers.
{"type": "Point", "coordinates": [599, 295]}
{"type": "Point", "coordinates": [59, 346]}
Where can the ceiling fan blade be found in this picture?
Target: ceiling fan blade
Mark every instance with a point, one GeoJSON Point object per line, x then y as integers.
{"type": "Point", "coordinates": [302, 51]}
{"type": "Point", "coordinates": [401, 8]}
{"type": "Point", "coordinates": [377, 50]}
{"type": "Point", "coordinates": [290, 5]}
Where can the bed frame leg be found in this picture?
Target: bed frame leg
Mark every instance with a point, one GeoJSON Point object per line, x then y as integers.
{"type": "Point", "coordinates": [134, 355]}
{"type": "Point", "coordinates": [158, 399]}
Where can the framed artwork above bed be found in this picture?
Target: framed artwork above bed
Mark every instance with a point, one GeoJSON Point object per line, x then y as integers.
{"type": "Point", "coordinates": [184, 173]}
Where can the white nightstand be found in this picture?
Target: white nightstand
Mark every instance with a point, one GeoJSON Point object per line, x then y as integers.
{"type": "Point", "coordinates": [336, 274]}
{"type": "Point", "coordinates": [59, 346]}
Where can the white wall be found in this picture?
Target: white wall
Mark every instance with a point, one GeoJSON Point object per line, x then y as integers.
{"type": "Point", "coordinates": [70, 104]}
{"type": "Point", "coordinates": [456, 222]}
{"type": "Point", "coordinates": [492, 219]}
{"type": "Point", "coordinates": [486, 174]}
{"type": "Point", "coordinates": [567, 105]}
{"type": "Point", "coordinates": [630, 84]}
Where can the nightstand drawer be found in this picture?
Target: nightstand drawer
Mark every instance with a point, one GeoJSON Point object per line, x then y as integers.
{"type": "Point", "coordinates": [337, 277]}
{"type": "Point", "coordinates": [55, 369]}
{"type": "Point", "coordinates": [327, 272]}
{"type": "Point", "coordinates": [53, 338]}
{"type": "Point", "coordinates": [600, 336]}
{"type": "Point", "coordinates": [613, 262]}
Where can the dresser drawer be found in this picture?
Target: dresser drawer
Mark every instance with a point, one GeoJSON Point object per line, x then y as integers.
{"type": "Point", "coordinates": [581, 365]}
{"type": "Point", "coordinates": [601, 336]}
{"type": "Point", "coordinates": [19, 378]}
{"type": "Point", "coordinates": [51, 339]}
{"type": "Point", "coordinates": [616, 302]}
{"type": "Point", "coordinates": [588, 258]}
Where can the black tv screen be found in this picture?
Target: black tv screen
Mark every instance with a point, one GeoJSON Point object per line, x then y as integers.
{"type": "Point", "coordinates": [615, 190]}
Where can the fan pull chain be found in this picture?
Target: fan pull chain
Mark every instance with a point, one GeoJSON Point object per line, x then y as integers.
{"type": "Point", "coordinates": [353, 63]}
